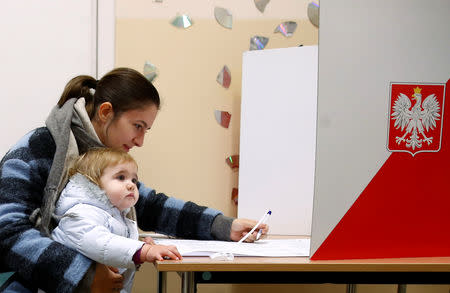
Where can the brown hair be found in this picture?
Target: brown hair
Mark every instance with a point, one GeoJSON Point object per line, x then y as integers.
{"type": "Point", "coordinates": [125, 88]}
{"type": "Point", "coordinates": [92, 163]}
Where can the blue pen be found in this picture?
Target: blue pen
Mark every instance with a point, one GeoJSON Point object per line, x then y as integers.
{"type": "Point", "coordinates": [266, 217]}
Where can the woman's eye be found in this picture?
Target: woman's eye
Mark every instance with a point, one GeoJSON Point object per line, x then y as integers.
{"type": "Point", "coordinates": [138, 126]}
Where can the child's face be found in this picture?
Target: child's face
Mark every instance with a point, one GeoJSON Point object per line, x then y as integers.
{"type": "Point", "coordinates": [119, 183]}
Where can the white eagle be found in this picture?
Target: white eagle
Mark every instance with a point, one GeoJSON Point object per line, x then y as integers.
{"type": "Point", "coordinates": [416, 119]}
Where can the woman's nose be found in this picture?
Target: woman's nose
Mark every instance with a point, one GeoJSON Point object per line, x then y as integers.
{"type": "Point", "coordinates": [139, 140]}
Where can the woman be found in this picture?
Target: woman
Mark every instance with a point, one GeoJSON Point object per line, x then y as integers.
{"type": "Point", "coordinates": [115, 111]}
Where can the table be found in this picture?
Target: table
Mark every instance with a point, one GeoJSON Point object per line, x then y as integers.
{"type": "Point", "coordinates": [301, 270]}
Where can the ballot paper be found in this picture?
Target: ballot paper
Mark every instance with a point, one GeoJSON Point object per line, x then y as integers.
{"type": "Point", "coordinates": [264, 248]}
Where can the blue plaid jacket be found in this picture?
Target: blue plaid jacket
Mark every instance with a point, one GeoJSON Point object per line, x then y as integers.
{"type": "Point", "coordinates": [40, 262]}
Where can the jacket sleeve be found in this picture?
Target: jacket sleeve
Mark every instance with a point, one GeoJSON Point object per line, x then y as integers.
{"type": "Point", "coordinates": [39, 261]}
{"type": "Point", "coordinates": [85, 230]}
{"type": "Point", "coordinates": [162, 214]}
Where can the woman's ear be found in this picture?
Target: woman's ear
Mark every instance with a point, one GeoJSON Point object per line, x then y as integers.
{"type": "Point", "coordinates": [105, 112]}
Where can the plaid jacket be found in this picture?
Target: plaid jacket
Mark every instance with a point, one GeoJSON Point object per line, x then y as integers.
{"type": "Point", "coordinates": [40, 262]}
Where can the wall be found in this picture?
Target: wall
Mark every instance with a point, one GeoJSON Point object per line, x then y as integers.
{"type": "Point", "coordinates": [42, 52]}
{"type": "Point", "coordinates": [39, 57]}
{"type": "Point", "coordinates": [184, 154]}
{"type": "Point", "coordinates": [185, 151]}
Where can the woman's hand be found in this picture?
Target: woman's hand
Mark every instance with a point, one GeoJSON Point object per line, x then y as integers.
{"type": "Point", "coordinates": [106, 279]}
{"type": "Point", "coordinates": [152, 253]}
{"type": "Point", "coordinates": [240, 228]}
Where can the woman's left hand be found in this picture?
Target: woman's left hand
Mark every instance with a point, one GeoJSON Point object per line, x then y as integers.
{"type": "Point", "coordinates": [240, 228]}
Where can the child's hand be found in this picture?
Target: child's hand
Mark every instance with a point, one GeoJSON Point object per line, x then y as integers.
{"type": "Point", "coordinates": [152, 253]}
{"type": "Point", "coordinates": [149, 240]}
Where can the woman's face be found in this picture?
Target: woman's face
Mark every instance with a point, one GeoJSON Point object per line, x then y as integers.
{"type": "Point", "coordinates": [127, 130]}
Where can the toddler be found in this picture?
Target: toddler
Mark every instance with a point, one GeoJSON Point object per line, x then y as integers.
{"type": "Point", "coordinates": [93, 207]}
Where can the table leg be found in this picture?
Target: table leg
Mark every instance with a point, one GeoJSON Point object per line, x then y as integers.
{"type": "Point", "coordinates": [162, 282]}
{"type": "Point", "coordinates": [401, 288]}
{"type": "Point", "coordinates": [187, 282]}
{"type": "Point", "coordinates": [351, 288]}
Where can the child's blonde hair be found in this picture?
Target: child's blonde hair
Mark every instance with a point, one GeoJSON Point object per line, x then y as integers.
{"type": "Point", "coordinates": [92, 163]}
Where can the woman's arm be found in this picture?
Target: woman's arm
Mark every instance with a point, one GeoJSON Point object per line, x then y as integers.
{"type": "Point", "coordinates": [170, 216]}
{"type": "Point", "coordinates": [39, 261]}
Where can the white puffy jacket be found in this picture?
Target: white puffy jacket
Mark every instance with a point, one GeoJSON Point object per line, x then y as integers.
{"type": "Point", "coordinates": [97, 229]}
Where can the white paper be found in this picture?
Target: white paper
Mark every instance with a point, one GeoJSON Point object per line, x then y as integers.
{"type": "Point", "coordinates": [264, 248]}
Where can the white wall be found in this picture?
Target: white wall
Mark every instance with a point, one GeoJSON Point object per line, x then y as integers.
{"type": "Point", "coordinates": [44, 44]}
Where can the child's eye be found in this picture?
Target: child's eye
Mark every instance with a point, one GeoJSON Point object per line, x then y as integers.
{"type": "Point", "coordinates": [134, 180]}
{"type": "Point", "coordinates": [121, 177]}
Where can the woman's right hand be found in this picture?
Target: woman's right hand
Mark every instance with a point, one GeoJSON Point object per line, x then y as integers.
{"type": "Point", "coordinates": [106, 279]}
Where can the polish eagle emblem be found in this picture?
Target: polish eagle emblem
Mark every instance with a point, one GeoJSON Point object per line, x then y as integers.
{"type": "Point", "coordinates": [419, 119]}
{"type": "Point", "coordinates": [415, 127]}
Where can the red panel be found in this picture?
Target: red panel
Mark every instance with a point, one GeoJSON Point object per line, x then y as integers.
{"type": "Point", "coordinates": [403, 212]}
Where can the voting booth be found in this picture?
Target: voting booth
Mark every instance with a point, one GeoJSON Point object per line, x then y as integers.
{"type": "Point", "coordinates": [382, 137]}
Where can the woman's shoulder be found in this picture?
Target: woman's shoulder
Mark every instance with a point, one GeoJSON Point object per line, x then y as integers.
{"type": "Point", "coordinates": [41, 143]}
{"type": "Point", "coordinates": [36, 144]}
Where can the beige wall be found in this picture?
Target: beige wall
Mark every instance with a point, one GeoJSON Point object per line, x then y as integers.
{"type": "Point", "coordinates": [185, 151]}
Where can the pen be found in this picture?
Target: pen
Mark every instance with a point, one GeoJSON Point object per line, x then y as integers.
{"type": "Point", "coordinates": [254, 228]}
{"type": "Point", "coordinates": [266, 217]}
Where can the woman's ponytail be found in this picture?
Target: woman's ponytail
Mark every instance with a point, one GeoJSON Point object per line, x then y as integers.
{"type": "Point", "coordinates": [80, 86]}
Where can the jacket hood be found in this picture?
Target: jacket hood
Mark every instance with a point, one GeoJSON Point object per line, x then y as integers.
{"type": "Point", "coordinates": [79, 190]}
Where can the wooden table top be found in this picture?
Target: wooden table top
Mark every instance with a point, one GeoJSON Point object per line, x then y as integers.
{"type": "Point", "coordinates": [298, 264]}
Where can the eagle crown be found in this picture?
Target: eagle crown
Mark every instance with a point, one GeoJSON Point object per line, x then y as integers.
{"type": "Point", "coordinates": [417, 93]}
